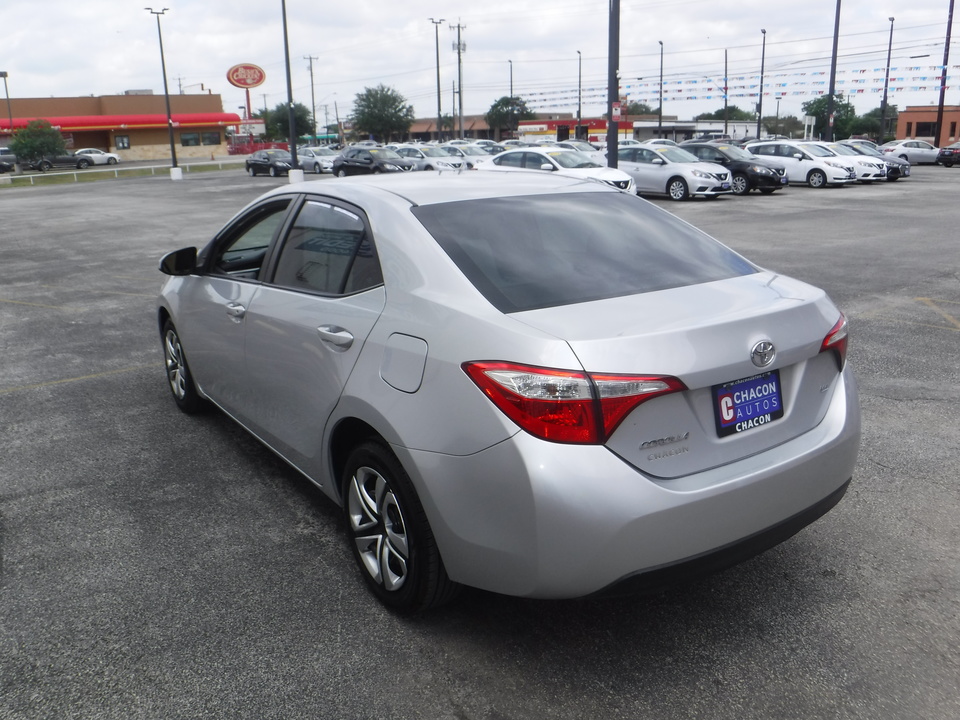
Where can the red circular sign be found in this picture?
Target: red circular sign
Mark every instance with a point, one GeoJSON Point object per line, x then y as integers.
{"type": "Point", "coordinates": [246, 76]}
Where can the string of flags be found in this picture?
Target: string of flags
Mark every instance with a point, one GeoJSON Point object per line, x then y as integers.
{"type": "Point", "coordinates": [913, 78]}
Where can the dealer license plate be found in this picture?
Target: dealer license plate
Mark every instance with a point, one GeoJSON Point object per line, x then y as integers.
{"type": "Point", "coordinates": [748, 403]}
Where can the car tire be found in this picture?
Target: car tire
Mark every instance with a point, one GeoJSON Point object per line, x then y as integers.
{"type": "Point", "coordinates": [768, 191]}
{"type": "Point", "coordinates": [179, 377]}
{"type": "Point", "coordinates": [251, 171]}
{"type": "Point", "coordinates": [83, 164]}
{"type": "Point", "coordinates": [316, 168]}
{"type": "Point", "coordinates": [948, 164]}
{"type": "Point", "coordinates": [44, 165]}
{"type": "Point", "coordinates": [677, 189]}
{"type": "Point", "coordinates": [341, 173]}
{"type": "Point", "coordinates": [274, 172]}
{"type": "Point", "coordinates": [389, 535]}
{"type": "Point", "coordinates": [376, 171]}
{"type": "Point", "coordinates": [817, 179]}
{"type": "Point", "coordinates": [429, 167]}
{"type": "Point", "coordinates": [111, 161]}
{"type": "Point", "coordinates": [740, 184]}
{"type": "Point", "coordinates": [893, 179]}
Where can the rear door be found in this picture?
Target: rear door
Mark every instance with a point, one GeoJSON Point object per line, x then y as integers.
{"type": "Point", "coordinates": [306, 326]}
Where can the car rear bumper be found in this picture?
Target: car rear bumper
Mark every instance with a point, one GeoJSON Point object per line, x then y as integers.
{"type": "Point", "coordinates": [536, 519]}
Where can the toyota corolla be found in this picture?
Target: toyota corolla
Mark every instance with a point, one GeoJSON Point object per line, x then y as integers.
{"type": "Point", "coordinates": [532, 384]}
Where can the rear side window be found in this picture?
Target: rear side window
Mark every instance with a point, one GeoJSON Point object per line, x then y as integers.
{"type": "Point", "coordinates": [525, 253]}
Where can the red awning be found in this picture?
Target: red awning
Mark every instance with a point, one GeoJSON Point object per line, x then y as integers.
{"type": "Point", "coordinates": [78, 123]}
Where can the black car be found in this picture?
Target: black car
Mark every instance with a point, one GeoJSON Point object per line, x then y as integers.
{"type": "Point", "coordinates": [747, 171]}
{"type": "Point", "coordinates": [367, 160]}
{"type": "Point", "coordinates": [949, 155]}
{"type": "Point", "coordinates": [7, 160]}
{"type": "Point", "coordinates": [272, 162]}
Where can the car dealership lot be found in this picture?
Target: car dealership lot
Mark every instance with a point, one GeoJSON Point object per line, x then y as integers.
{"type": "Point", "coordinates": [158, 565]}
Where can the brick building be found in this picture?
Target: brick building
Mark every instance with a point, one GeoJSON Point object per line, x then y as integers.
{"type": "Point", "coordinates": [133, 125]}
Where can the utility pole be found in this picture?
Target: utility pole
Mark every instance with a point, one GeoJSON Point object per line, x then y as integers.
{"type": "Point", "coordinates": [943, 76]}
{"type": "Point", "coordinates": [461, 48]}
{"type": "Point", "coordinates": [613, 81]}
{"type": "Point", "coordinates": [313, 101]}
{"type": "Point", "coordinates": [174, 171]}
{"type": "Point", "coordinates": [290, 114]}
{"type": "Point", "coordinates": [833, 74]}
{"type": "Point", "coordinates": [726, 98]}
{"type": "Point", "coordinates": [886, 85]}
{"type": "Point", "coordinates": [436, 32]}
{"type": "Point", "coordinates": [763, 59]}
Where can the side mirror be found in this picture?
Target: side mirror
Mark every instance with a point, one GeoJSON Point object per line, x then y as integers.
{"type": "Point", "coordinates": [179, 262]}
{"type": "Point", "coordinates": [547, 166]}
{"type": "Point", "coordinates": [659, 161]}
{"type": "Point", "coordinates": [798, 156]}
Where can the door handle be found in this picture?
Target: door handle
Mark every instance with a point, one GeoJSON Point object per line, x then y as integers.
{"type": "Point", "coordinates": [335, 336]}
{"type": "Point", "coordinates": [236, 310]}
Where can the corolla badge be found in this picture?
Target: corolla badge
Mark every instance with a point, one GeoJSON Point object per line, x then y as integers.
{"type": "Point", "coordinates": [763, 353]}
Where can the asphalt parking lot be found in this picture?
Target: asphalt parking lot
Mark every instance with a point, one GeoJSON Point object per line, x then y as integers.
{"type": "Point", "coordinates": [156, 565]}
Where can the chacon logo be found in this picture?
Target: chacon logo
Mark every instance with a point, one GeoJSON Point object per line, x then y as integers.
{"type": "Point", "coordinates": [763, 353]}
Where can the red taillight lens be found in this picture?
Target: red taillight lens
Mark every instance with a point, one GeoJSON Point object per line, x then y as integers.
{"type": "Point", "coordinates": [565, 406]}
{"type": "Point", "coordinates": [836, 340]}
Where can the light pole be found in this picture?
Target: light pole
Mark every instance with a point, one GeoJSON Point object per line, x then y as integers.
{"type": "Point", "coordinates": [511, 77]}
{"type": "Point", "coordinates": [3, 74]}
{"type": "Point", "coordinates": [166, 96]}
{"type": "Point", "coordinates": [436, 32]}
{"type": "Point", "coordinates": [579, 92]}
{"type": "Point", "coordinates": [886, 85]}
{"type": "Point", "coordinates": [763, 58]}
{"type": "Point", "coordinates": [660, 109]}
{"type": "Point", "coordinates": [290, 114]}
{"type": "Point", "coordinates": [943, 76]}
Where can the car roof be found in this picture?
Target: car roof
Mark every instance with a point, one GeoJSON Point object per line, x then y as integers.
{"type": "Point", "coordinates": [443, 187]}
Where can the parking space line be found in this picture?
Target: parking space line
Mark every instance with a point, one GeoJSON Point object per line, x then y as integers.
{"type": "Point", "coordinates": [39, 305]}
{"type": "Point", "coordinates": [6, 391]}
{"type": "Point", "coordinates": [932, 304]}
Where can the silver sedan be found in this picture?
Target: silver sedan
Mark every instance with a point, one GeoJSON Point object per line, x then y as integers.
{"type": "Point", "coordinates": [673, 171]}
{"type": "Point", "coordinates": [523, 382]}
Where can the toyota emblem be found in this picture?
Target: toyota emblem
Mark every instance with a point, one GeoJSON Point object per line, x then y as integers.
{"type": "Point", "coordinates": [763, 353]}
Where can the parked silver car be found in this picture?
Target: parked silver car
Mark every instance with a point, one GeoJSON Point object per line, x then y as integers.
{"type": "Point", "coordinates": [430, 157]}
{"type": "Point", "coordinates": [673, 171]}
{"type": "Point", "coordinates": [523, 382]}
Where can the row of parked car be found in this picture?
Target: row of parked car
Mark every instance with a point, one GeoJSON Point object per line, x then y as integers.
{"type": "Point", "coordinates": [81, 159]}
{"type": "Point", "coordinates": [704, 167]}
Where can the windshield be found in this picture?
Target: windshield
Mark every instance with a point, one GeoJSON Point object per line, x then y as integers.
{"type": "Point", "coordinates": [580, 146]}
{"type": "Point", "coordinates": [818, 151]}
{"type": "Point", "coordinates": [676, 154]}
{"type": "Point", "coordinates": [468, 150]}
{"type": "Point", "coordinates": [434, 152]}
{"type": "Point", "coordinates": [278, 155]}
{"type": "Point", "coordinates": [843, 149]}
{"type": "Point", "coordinates": [524, 253]}
{"type": "Point", "coordinates": [571, 159]}
{"type": "Point", "coordinates": [735, 153]}
{"type": "Point", "coordinates": [384, 154]}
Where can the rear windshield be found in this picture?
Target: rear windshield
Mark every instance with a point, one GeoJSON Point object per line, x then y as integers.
{"type": "Point", "coordinates": [524, 253]}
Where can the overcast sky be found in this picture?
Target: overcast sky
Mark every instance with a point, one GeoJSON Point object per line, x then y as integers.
{"type": "Point", "coordinates": [66, 48]}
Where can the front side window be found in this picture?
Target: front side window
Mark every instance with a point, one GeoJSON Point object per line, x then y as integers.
{"type": "Point", "coordinates": [329, 251]}
{"type": "Point", "coordinates": [240, 252]}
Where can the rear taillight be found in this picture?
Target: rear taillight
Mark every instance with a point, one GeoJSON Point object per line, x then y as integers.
{"type": "Point", "coordinates": [836, 341]}
{"type": "Point", "coordinates": [566, 406]}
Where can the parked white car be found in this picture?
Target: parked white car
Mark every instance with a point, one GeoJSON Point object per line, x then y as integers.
{"type": "Point", "coordinates": [563, 162]}
{"type": "Point", "coordinates": [868, 168]}
{"type": "Point", "coordinates": [673, 171]}
{"type": "Point", "coordinates": [586, 148]}
{"type": "Point", "coordinates": [98, 157]}
{"type": "Point", "coordinates": [430, 157]}
{"type": "Point", "coordinates": [806, 163]}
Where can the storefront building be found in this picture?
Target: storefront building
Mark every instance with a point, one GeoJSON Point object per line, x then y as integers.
{"type": "Point", "coordinates": [133, 125]}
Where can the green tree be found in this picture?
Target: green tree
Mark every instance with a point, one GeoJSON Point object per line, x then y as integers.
{"type": "Point", "coordinates": [37, 139]}
{"type": "Point", "coordinates": [277, 121]}
{"type": "Point", "coordinates": [784, 125]}
{"type": "Point", "coordinates": [732, 113]}
{"type": "Point", "coordinates": [506, 114]}
{"type": "Point", "coordinates": [869, 124]}
{"type": "Point", "coordinates": [638, 108]}
{"type": "Point", "coordinates": [382, 112]}
{"type": "Point", "coordinates": [844, 114]}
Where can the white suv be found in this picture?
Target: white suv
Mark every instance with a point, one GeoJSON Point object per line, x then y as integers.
{"type": "Point", "coordinates": [807, 163]}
